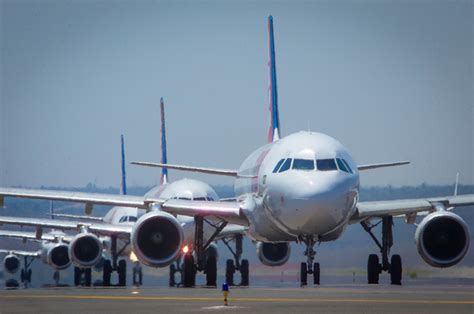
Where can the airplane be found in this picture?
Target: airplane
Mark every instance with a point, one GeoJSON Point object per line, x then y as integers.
{"type": "Point", "coordinates": [111, 232]}
{"type": "Point", "coordinates": [301, 188]}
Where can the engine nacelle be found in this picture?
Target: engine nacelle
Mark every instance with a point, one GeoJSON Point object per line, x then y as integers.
{"type": "Point", "coordinates": [273, 254]}
{"type": "Point", "coordinates": [85, 250]}
{"type": "Point", "coordinates": [157, 238]}
{"type": "Point", "coordinates": [57, 256]}
{"type": "Point", "coordinates": [442, 239]}
{"type": "Point", "coordinates": [11, 263]}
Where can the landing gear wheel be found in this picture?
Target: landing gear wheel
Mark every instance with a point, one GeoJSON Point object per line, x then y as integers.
{"type": "Point", "coordinates": [77, 276]}
{"type": "Point", "coordinates": [189, 271]}
{"type": "Point", "coordinates": [137, 274]}
{"type": "Point", "coordinates": [23, 275]}
{"type": "Point", "coordinates": [106, 273]}
{"type": "Point", "coordinates": [122, 273]}
{"type": "Point", "coordinates": [229, 272]}
{"type": "Point", "coordinates": [316, 274]}
{"type": "Point", "coordinates": [87, 277]}
{"type": "Point", "coordinates": [244, 272]}
{"type": "Point", "coordinates": [396, 270]}
{"type": "Point", "coordinates": [304, 274]}
{"type": "Point", "coordinates": [211, 271]}
{"type": "Point", "coordinates": [172, 280]}
{"type": "Point", "coordinates": [373, 269]}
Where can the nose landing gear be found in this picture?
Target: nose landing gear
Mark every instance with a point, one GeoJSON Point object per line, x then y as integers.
{"type": "Point", "coordinates": [309, 267]}
{"type": "Point", "coordinates": [374, 268]}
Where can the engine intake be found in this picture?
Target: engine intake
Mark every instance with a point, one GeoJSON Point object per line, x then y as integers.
{"type": "Point", "coordinates": [157, 238]}
{"type": "Point", "coordinates": [57, 256]}
{"type": "Point", "coordinates": [273, 254]}
{"type": "Point", "coordinates": [11, 263]}
{"type": "Point", "coordinates": [85, 250]}
{"type": "Point", "coordinates": [442, 239]}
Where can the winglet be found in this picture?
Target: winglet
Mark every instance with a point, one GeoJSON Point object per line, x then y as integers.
{"type": "Point", "coordinates": [123, 185]}
{"type": "Point", "coordinates": [164, 158]}
{"type": "Point", "coordinates": [456, 184]}
{"type": "Point", "coordinates": [274, 129]}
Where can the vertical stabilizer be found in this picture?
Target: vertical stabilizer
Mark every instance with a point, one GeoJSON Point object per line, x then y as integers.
{"type": "Point", "coordinates": [164, 159]}
{"type": "Point", "coordinates": [274, 129]}
{"type": "Point", "coordinates": [123, 184]}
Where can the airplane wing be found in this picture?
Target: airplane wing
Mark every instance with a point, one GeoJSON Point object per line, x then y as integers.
{"type": "Point", "coordinates": [21, 253]}
{"type": "Point", "coordinates": [367, 210]}
{"type": "Point", "coordinates": [96, 228]}
{"type": "Point", "coordinates": [382, 165]}
{"type": "Point", "coordinates": [222, 172]}
{"type": "Point", "coordinates": [229, 211]}
{"type": "Point", "coordinates": [80, 217]}
{"type": "Point", "coordinates": [25, 235]}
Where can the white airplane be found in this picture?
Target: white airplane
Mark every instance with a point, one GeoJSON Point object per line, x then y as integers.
{"type": "Point", "coordinates": [112, 231]}
{"type": "Point", "coordinates": [301, 188]}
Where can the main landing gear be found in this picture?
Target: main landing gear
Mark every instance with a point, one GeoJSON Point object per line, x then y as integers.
{"type": "Point", "coordinates": [236, 264]}
{"type": "Point", "coordinates": [374, 268]}
{"type": "Point", "coordinates": [25, 274]}
{"type": "Point", "coordinates": [82, 276]}
{"type": "Point", "coordinates": [204, 258]}
{"type": "Point", "coordinates": [119, 266]}
{"type": "Point", "coordinates": [309, 267]}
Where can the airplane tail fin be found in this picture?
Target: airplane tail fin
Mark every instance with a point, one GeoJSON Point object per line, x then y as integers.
{"type": "Point", "coordinates": [123, 184]}
{"type": "Point", "coordinates": [164, 158]}
{"type": "Point", "coordinates": [274, 129]}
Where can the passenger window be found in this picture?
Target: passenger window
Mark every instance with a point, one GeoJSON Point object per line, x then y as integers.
{"type": "Point", "coordinates": [286, 165]}
{"type": "Point", "coordinates": [278, 165]}
{"type": "Point", "coordinates": [347, 165]}
{"type": "Point", "coordinates": [303, 164]}
{"type": "Point", "coordinates": [326, 164]}
{"type": "Point", "coordinates": [341, 165]}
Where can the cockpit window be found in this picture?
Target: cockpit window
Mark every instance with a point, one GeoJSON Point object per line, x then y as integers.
{"type": "Point", "coordinates": [347, 165]}
{"type": "Point", "coordinates": [132, 218]}
{"type": "Point", "coordinates": [326, 164]}
{"type": "Point", "coordinates": [303, 164]}
{"type": "Point", "coordinates": [278, 165]}
{"type": "Point", "coordinates": [199, 198]}
{"type": "Point", "coordinates": [286, 165]}
{"type": "Point", "coordinates": [341, 165]}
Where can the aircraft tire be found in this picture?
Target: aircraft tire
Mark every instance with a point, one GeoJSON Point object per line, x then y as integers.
{"type": "Point", "coordinates": [244, 272]}
{"type": "Point", "coordinates": [396, 270]}
{"type": "Point", "coordinates": [229, 272]}
{"type": "Point", "coordinates": [172, 280]}
{"type": "Point", "coordinates": [106, 273]}
{"type": "Point", "coordinates": [316, 274]}
{"type": "Point", "coordinates": [122, 273]}
{"type": "Point", "coordinates": [189, 271]}
{"type": "Point", "coordinates": [304, 274]}
{"type": "Point", "coordinates": [77, 276]}
{"type": "Point", "coordinates": [88, 277]}
{"type": "Point", "coordinates": [373, 269]}
{"type": "Point", "coordinates": [211, 271]}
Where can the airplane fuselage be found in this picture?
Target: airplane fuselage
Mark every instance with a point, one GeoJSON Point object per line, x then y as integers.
{"type": "Point", "coordinates": [305, 184]}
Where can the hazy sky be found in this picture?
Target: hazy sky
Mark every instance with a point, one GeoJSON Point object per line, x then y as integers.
{"type": "Point", "coordinates": [392, 80]}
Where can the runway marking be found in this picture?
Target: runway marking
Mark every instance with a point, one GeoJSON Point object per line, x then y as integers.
{"type": "Point", "coordinates": [302, 300]}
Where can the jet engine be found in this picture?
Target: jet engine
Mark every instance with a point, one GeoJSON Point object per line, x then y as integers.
{"type": "Point", "coordinates": [85, 250]}
{"type": "Point", "coordinates": [442, 239]}
{"type": "Point", "coordinates": [11, 263]}
{"type": "Point", "coordinates": [273, 254]}
{"type": "Point", "coordinates": [56, 255]}
{"type": "Point", "coordinates": [157, 238]}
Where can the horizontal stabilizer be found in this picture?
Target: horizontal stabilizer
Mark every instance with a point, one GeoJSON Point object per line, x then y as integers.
{"type": "Point", "coordinates": [222, 172]}
{"type": "Point", "coordinates": [382, 165]}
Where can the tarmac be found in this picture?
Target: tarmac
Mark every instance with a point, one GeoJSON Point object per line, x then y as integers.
{"type": "Point", "coordinates": [354, 298]}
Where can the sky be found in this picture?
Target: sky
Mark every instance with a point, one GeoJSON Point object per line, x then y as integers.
{"type": "Point", "coordinates": [392, 80]}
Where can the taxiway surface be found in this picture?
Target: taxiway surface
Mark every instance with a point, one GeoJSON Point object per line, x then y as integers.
{"type": "Point", "coordinates": [327, 299]}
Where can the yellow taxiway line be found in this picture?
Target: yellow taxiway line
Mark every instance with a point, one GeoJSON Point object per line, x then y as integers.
{"type": "Point", "coordinates": [157, 298]}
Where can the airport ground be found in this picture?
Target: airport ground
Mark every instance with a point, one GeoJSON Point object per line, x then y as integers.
{"type": "Point", "coordinates": [421, 297]}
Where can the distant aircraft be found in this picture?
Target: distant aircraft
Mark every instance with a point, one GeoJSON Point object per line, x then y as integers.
{"type": "Point", "coordinates": [112, 232]}
{"type": "Point", "coordinates": [301, 188]}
